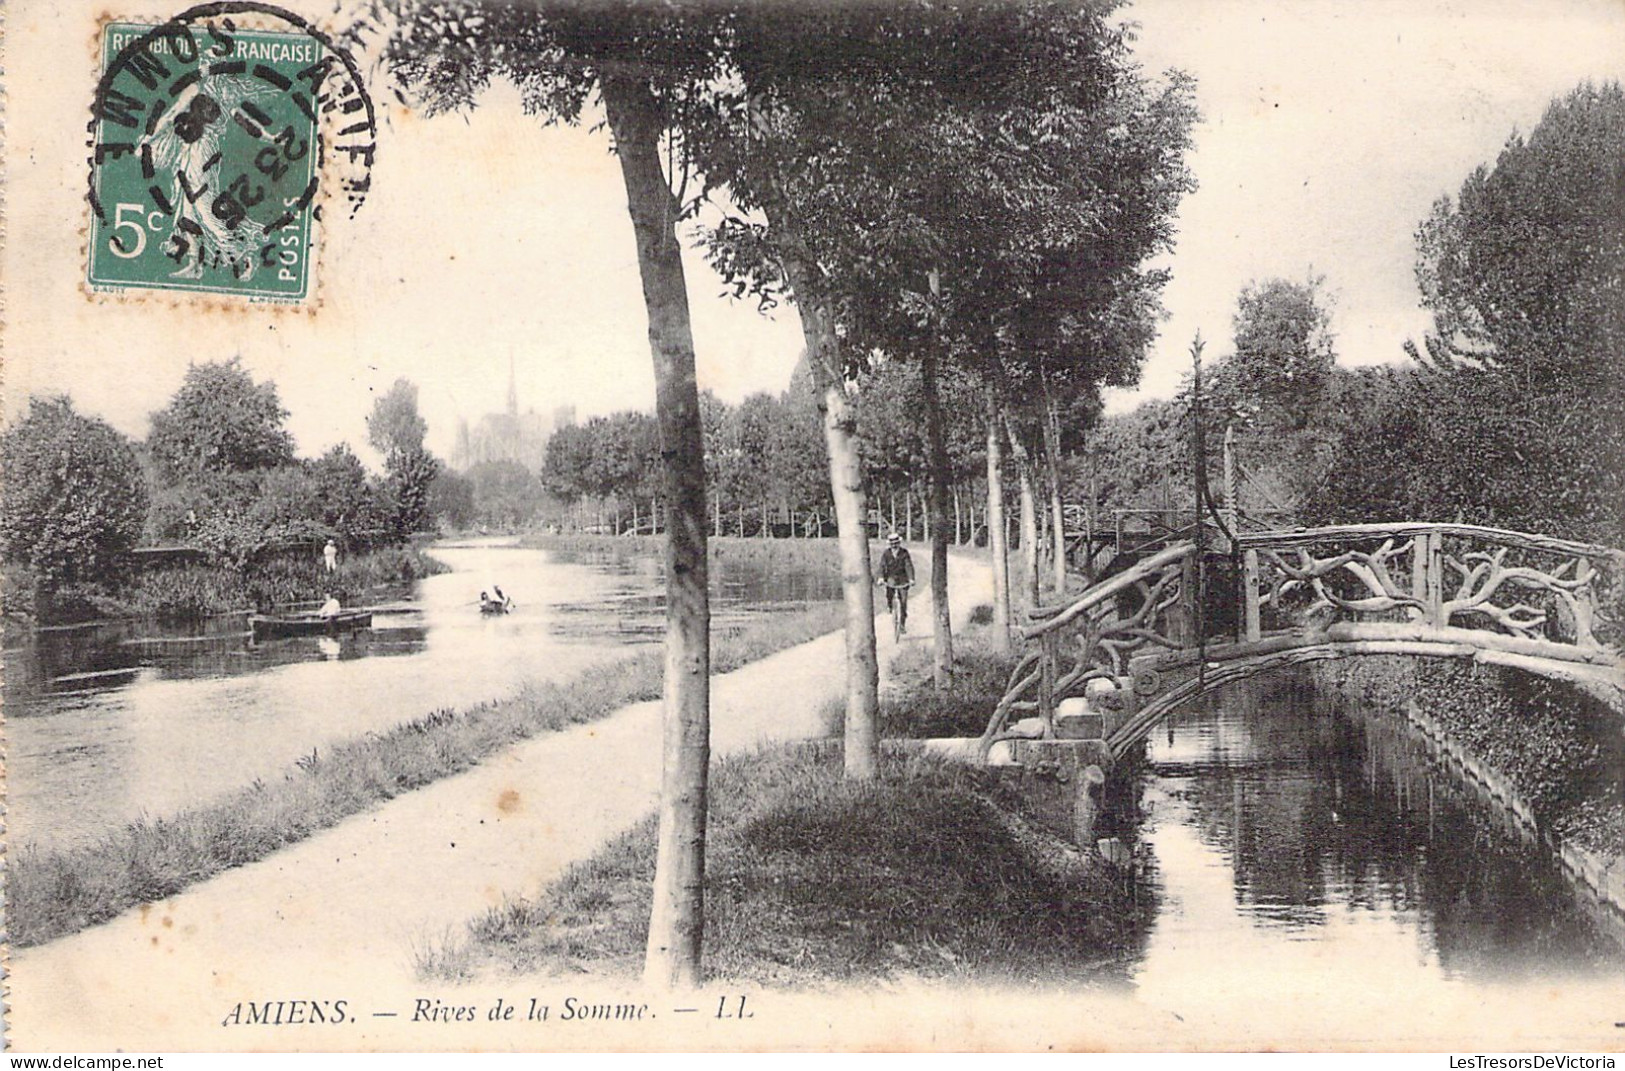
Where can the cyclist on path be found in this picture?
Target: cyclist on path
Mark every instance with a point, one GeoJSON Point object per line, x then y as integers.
{"type": "Point", "coordinates": [897, 573]}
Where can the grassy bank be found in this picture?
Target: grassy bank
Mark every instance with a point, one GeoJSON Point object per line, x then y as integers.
{"type": "Point", "coordinates": [54, 893]}
{"type": "Point", "coordinates": [960, 709]}
{"type": "Point", "coordinates": [932, 870]}
{"type": "Point", "coordinates": [1560, 748]}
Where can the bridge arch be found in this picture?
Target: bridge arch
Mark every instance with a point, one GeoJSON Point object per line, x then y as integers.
{"type": "Point", "coordinates": [1606, 685]}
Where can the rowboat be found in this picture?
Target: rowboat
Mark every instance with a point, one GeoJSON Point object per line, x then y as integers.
{"type": "Point", "coordinates": [281, 626]}
{"type": "Point", "coordinates": [493, 608]}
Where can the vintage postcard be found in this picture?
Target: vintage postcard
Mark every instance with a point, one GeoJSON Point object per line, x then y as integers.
{"type": "Point", "coordinates": [836, 526]}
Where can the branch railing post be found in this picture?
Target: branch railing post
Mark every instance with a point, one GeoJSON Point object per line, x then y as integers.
{"type": "Point", "coordinates": [1435, 579]}
{"type": "Point", "coordinates": [1189, 593]}
{"type": "Point", "coordinates": [1252, 616]}
{"type": "Point", "coordinates": [1419, 573]}
{"type": "Point", "coordinates": [1046, 681]}
{"type": "Point", "coordinates": [1585, 602]}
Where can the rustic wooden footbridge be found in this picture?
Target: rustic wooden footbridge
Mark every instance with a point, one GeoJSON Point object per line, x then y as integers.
{"type": "Point", "coordinates": [1104, 668]}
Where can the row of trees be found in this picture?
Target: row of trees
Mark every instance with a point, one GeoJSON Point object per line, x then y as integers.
{"type": "Point", "coordinates": [764, 460]}
{"type": "Point", "coordinates": [965, 190]}
{"type": "Point", "coordinates": [762, 463]}
{"type": "Point", "coordinates": [217, 471]}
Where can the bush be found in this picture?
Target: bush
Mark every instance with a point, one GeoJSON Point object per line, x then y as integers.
{"type": "Point", "coordinates": [74, 498]}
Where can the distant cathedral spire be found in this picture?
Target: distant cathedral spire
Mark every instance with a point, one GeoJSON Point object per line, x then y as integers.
{"type": "Point", "coordinates": [510, 436]}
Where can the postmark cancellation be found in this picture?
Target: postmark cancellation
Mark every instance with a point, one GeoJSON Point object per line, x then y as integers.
{"type": "Point", "coordinates": [219, 140]}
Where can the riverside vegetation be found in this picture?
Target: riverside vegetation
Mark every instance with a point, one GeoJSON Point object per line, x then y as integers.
{"type": "Point", "coordinates": [933, 869]}
{"type": "Point", "coordinates": [215, 482]}
{"type": "Point", "coordinates": [192, 591]}
{"type": "Point", "coordinates": [779, 553]}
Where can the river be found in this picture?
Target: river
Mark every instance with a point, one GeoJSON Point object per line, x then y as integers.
{"type": "Point", "coordinates": [1329, 849]}
{"type": "Point", "coordinates": [1275, 829]}
{"type": "Point", "coordinates": [108, 723]}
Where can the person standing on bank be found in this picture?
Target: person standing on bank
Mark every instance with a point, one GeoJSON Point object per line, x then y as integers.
{"type": "Point", "coordinates": [897, 574]}
{"type": "Point", "coordinates": [330, 555]}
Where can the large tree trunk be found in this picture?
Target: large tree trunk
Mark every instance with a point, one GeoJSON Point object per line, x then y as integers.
{"type": "Point", "coordinates": [1029, 518]}
{"type": "Point", "coordinates": [1052, 470]}
{"type": "Point", "coordinates": [995, 528]}
{"type": "Point", "coordinates": [677, 920]}
{"type": "Point", "coordinates": [936, 437]}
{"type": "Point", "coordinates": [1031, 556]}
{"type": "Point", "coordinates": [851, 517]}
{"type": "Point", "coordinates": [1029, 537]}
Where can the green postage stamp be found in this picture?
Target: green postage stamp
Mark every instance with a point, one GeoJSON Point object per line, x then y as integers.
{"type": "Point", "coordinates": [211, 144]}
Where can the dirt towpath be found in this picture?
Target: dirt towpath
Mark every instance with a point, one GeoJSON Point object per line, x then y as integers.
{"type": "Point", "coordinates": [338, 917]}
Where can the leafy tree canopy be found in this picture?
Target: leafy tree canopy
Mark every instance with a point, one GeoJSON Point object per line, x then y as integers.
{"type": "Point", "coordinates": [220, 421]}
{"type": "Point", "coordinates": [394, 426]}
{"type": "Point", "coordinates": [1524, 270]}
{"type": "Point", "coordinates": [1283, 357]}
{"type": "Point", "coordinates": [346, 500]}
{"type": "Point", "coordinates": [75, 499]}
{"type": "Point", "coordinates": [451, 499]}
{"type": "Point", "coordinates": [411, 472]}
{"type": "Point", "coordinates": [505, 492]}
{"type": "Point", "coordinates": [977, 179]}
{"type": "Point", "coordinates": [396, 430]}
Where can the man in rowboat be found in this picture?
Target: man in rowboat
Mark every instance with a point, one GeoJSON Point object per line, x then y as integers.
{"type": "Point", "coordinates": [331, 608]}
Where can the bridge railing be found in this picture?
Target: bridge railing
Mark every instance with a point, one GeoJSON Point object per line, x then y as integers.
{"type": "Point", "coordinates": [1095, 637]}
{"type": "Point", "coordinates": [1472, 587]}
{"type": "Point", "coordinates": [1514, 584]}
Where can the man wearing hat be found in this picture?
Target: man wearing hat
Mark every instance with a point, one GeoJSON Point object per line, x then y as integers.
{"type": "Point", "coordinates": [897, 573]}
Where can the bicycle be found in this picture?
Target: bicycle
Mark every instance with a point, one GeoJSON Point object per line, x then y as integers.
{"type": "Point", "coordinates": [897, 597]}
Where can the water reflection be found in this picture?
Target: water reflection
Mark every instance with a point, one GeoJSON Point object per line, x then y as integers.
{"type": "Point", "coordinates": [1289, 834]}
{"type": "Point", "coordinates": [634, 610]}
{"type": "Point", "coordinates": [115, 654]}
{"type": "Point", "coordinates": [107, 723]}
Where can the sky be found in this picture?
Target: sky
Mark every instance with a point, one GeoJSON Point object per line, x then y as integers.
{"type": "Point", "coordinates": [1328, 130]}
